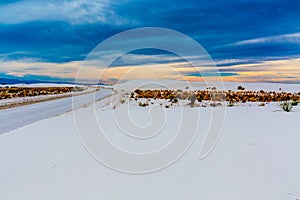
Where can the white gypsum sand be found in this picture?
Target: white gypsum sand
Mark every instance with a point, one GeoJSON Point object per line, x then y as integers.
{"type": "Point", "coordinates": [255, 158]}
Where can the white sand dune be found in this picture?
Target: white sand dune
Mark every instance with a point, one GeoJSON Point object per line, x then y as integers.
{"type": "Point", "coordinates": [255, 158]}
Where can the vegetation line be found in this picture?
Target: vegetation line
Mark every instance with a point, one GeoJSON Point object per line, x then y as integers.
{"type": "Point", "coordinates": [33, 101]}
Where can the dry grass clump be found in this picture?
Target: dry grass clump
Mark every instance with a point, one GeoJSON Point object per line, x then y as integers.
{"type": "Point", "coordinates": [143, 104]}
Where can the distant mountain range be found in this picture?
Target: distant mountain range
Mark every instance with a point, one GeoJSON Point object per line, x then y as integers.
{"type": "Point", "coordinates": [29, 79]}
{"type": "Point", "coordinates": [6, 79]}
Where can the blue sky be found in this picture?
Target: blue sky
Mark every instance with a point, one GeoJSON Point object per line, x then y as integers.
{"type": "Point", "coordinates": [254, 40]}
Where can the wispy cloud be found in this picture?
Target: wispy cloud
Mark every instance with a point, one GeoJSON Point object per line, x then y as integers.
{"type": "Point", "coordinates": [51, 37]}
{"type": "Point", "coordinates": [33, 67]}
{"type": "Point", "coordinates": [74, 12]}
{"type": "Point", "coordinates": [290, 38]}
{"type": "Point", "coordinates": [266, 71]}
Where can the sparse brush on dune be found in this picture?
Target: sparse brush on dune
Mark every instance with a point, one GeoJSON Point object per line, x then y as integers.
{"type": "Point", "coordinates": [230, 104]}
{"type": "Point", "coordinates": [13, 92]}
{"type": "Point", "coordinates": [286, 106]}
{"type": "Point", "coordinates": [294, 103]}
{"type": "Point", "coordinates": [206, 95]}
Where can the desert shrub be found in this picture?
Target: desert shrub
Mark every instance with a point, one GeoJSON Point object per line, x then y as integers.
{"type": "Point", "coordinates": [143, 104]}
{"type": "Point", "coordinates": [138, 91]}
{"type": "Point", "coordinates": [295, 98]}
{"type": "Point", "coordinates": [5, 95]}
{"type": "Point", "coordinates": [286, 106]}
{"type": "Point", "coordinates": [230, 104]}
{"type": "Point", "coordinates": [199, 98]}
{"type": "Point", "coordinates": [261, 104]}
{"type": "Point", "coordinates": [175, 100]}
{"type": "Point", "coordinates": [122, 100]}
{"type": "Point", "coordinates": [171, 96]}
{"type": "Point", "coordinates": [294, 103]}
{"type": "Point", "coordinates": [240, 87]}
{"type": "Point", "coordinates": [12, 91]}
{"type": "Point", "coordinates": [252, 99]}
{"type": "Point", "coordinates": [167, 106]}
{"type": "Point", "coordinates": [132, 95]}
